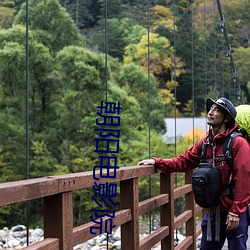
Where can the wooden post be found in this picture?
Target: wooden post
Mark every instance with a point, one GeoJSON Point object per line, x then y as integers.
{"type": "Point", "coordinates": [167, 210]}
{"type": "Point", "coordinates": [130, 199]}
{"type": "Point", "coordinates": [58, 219]}
{"type": "Point", "coordinates": [190, 205]}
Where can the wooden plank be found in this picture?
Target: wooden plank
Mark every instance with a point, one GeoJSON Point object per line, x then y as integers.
{"type": "Point", "coordinates": [58, 219]}
{"type": "Point", "coordinates": [190, 205]}
{"type": "Point", "coordinates": [82, 233]}
{"type": "Point", "coordinates": [81, 180]}
{"type": "Point", "coordinates": [129, 198]}
{"type": "Point", "coordinates": [167, 210]}
{"type": "Point", "coordinates": [154, 238]}
{"type": "Point", "coordinates": [46, 244]}
{"type": "Point", "coordinates": [24, 190]}
{"type": "Point", "coordinates": [152, 203]}
{"type": "Point", "coordinates": [185, 244]}
{"type": "Point", "coordinates": [182, 218]}
{"type": "Point", "coordinates": [178, 192]}
{"type": "Point", "coordinates": [198, 209]}
{"type": "Point", "coordinates": [198, 231]}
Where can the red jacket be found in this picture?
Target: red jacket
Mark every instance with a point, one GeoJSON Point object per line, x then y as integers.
{"type": "Point", "coordinates": [241, 167]}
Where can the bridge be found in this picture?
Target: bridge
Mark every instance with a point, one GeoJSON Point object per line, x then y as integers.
{"type": "Point", "coordinates": [56, 192]}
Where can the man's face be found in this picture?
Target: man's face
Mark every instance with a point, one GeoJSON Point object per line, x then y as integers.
{"type": "Point", "coordinates": [215, 116]}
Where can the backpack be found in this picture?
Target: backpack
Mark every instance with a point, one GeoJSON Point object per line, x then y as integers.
{"type": "Point", "coordinates": [206, 179]}
{"type": "Point", "coordinates": [206, 185]}
{"type": "Point", "coordinates": [243, 120]}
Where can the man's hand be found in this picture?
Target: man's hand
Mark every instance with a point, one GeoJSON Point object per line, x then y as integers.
{"type": "Point", "coordinates": [232, 221]}
{"type": "Point", "coordinates": [146, 162]}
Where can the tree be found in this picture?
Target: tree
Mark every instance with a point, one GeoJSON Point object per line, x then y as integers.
{"type": "Point", "coordinates": [84, 13]}
{"type": "Point", "coordinates": [117, 33]}
{"type": "Point", "coordinates": [161, 57]}
{"type": "Point", "coordinates": [136, 82]}
{"type": "Point", "coordinates": [161, 16]}
{"type": "Point", "coordinates": [6, 17]}
{"type": "Point", "coordinates": [161, 63]}
{"type": "Point", "coordinates": [242, 64]}
{"type": "Point", "coordinates": [40, 60]}
{"type": "Point", "coordinates": [53, 25]}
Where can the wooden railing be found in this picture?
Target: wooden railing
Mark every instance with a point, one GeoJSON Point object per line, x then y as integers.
{"type": "Point", "coordinates": [59, 232]}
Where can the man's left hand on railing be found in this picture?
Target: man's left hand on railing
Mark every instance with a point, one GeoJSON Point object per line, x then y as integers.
{"type": "Point", "coordinates": [146, 162]}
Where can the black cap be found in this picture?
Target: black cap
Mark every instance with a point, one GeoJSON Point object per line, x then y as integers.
{"type": "Point", "coordinates": [223, 103]}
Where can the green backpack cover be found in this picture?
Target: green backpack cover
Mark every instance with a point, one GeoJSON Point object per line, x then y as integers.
{"type": "Point", "coordinates": [243, 119]}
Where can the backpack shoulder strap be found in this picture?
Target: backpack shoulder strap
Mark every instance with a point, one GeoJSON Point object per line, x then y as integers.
{"type": "Point", "coordinates": [203, 152]}
{"type": "Point", "coordinates": [227, 148]}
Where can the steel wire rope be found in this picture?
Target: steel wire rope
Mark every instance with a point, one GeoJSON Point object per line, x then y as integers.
{"type": "Point", "coordinates": [27, 206]}
{"type": "Point", "coordinates": [149, 120]}
{"type": "Point", "coordinates": [106, 70]}
{"type": "Point", "coordinates": [192, 71]}
{"type": "Point", "coordinates": [218, 63]}
{"type": "Point", "coordinates": [175, 96]}
{"type": "Point", "coordinates": [237, 88]}
{"type": "Point", "coordinates": [205, 52]}
{"type": "Point", "coordinates": [215, 51]}
{"type": "Point", "coordinates": [77, 13]}
{"type": "Point", "coordinates": [229, 83]}
{"type": "Point", "coordinates": [222, 68]}
{"type": "Point", "coordinates": [221, 45]}
{"type": "Point", "coordinates": [174, 71]}
{"type": "Point", "coordinates": [205, 47]}
{"type": "Point", "coordinates": [106, 48]}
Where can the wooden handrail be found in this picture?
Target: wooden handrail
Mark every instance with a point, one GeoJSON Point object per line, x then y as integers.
{"type": "Point", "coordinates": [58, 208]}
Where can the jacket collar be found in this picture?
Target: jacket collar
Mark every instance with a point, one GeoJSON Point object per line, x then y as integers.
{"type": "Point", "coordinates": [221, 136]}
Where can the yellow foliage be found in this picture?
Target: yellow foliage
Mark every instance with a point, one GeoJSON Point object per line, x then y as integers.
{"type": "Point", "coordinates": [174, 112]}
{"type": "Point", "coordinates": [161, 15]}
{"type": "Point", "coordinates": [203, 114]}
{"type": "Point", "coordinates": [188, 106]}
{"type": "Point", "coordinates": [195, 134]}
{"type": "Point", "coordinates": [166, 96]}
{"type": "Point", "coordinates": [172, 84]}
{"type": "Point", "coordinates": [6, 17]}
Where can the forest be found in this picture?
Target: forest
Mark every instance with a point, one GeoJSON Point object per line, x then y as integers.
{"type": "Point", "coordinates": [158, 58]}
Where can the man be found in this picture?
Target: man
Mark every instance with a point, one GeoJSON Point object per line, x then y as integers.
{"type": "Point", "coordinates": [221, 115]}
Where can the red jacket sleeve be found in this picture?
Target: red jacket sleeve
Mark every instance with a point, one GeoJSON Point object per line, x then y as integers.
{"type": "Point", "coordinates": [183, 163]}
{"type": "Point", "coordinates": [241, 175]}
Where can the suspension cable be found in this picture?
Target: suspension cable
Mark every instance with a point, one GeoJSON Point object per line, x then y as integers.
{"type": "Point", "coordinates": [106, 48]}
{"type": "Point", "coordinates": [215, 52]}
{"type": "Point", "coordinates": [229, 53]}
{"type": "Point", "coordinates": [175, 95]}
{"type": "Point", "coordinates": [205, 49]}
{"type": "Point", "coordinates": [106, 67]}
{"type": "Point", "coordinates": [174, 75]}
{"type": "Point", "coordinates": [27, 208]}
{"type": "Point", "coordinates": [149, 121]}
{"type": "Point", "coordinates": [192, 76]}
{"type": "Point", "coordinates": [221, 65]}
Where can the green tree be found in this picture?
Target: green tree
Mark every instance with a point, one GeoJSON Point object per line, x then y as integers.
{"type": "Point", "coordinates": [136, 82]}
{"type": "Point", "coordinates": [84, 13]}
{"type": "Point", "coordinates": [118, 31]}
{"type": "Point", "coordinates": [6, 17]}
{"type": "Point", "coordinates": [42, 163]}
{"type": "Point", "coordinates": [53, 25]}
{"type": "Point", "coordinates": [161, 57]}
{"type": "Point", "coordinates": [40, 60]}
{"type": "Point", "coordinates": [241, 56]}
